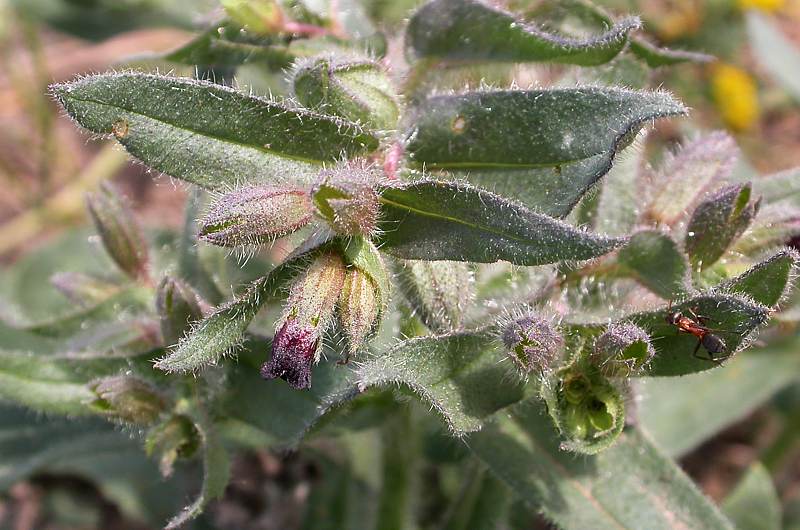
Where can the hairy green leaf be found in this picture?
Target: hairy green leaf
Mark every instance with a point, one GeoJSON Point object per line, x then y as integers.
{"type": "Point", "coordinates": [732, 318]}
{"type": "Point", "coordinates": [447, 221]}
{"type": "Point", "coordinates": [754, 504]}
{"type": "Point", "coordinates": [458, 374]}
{"type": "Point", "coordinates": [543, 147]}
{"type": "Point", "coordinates": [54, 383]}
{"type": "Point", "coordinates": [654, 259]}
{"type": "Point", "coordinates": [681, 413]}
{"type": "Point", "coordinates": [656, 56]}
{"type": "Point", "coordinates": [472, 30]}
{"type": "Point", "coordinates": [629, 486]}
{"type": "Point", "coordinates": [439, 292]}
{"type": "Point", "coordinates": [619, 194]}
{"type": "Point", "coordinates": [209, 134]}
{"type": "Point", "coordinates": [768, 281]}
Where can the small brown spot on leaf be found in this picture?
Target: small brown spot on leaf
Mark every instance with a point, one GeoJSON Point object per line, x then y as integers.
{"type": "Point", "coordinates": [459, 125]}
{"type": "Point", "coordinates": [120, 129]}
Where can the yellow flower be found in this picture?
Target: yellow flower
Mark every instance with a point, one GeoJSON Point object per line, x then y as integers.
{"type": "Point", "coordinates": [736, 96]}
{"type": "Point", "coordinates": [763, 5]}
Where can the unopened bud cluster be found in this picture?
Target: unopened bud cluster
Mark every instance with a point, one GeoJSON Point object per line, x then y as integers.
{"type": "Point", "coordinates": [623, 350]}
{"type": "Point", "coordinates": [326, 285]}
{"type": "Point", "coordinates": [255, 215]}
{"type": "Point", "coordinates": [532, 342]}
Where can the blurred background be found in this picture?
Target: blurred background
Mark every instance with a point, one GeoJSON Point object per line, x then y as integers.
{"type": "Point", "coordinates": [751, 89]}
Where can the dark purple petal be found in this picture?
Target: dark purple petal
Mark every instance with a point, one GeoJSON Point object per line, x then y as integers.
{"type": "Point", "coordinates": [293, 351]}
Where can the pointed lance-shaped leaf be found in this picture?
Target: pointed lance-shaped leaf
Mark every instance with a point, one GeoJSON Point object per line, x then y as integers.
{"type": "Point", "coordinates": [118, 229]}
{"type": "Point", "coordinates": [358, 90]}
{"type": "Point", "coordinates": [766, 282]}
{"type": "Point", "coordinates": [458, 374]}
{"type": "Point", "coordinates": [84, 289]}
{"type": "Point", "coordinates": [433, 220]}
{"type": "Point", "coordinates": [545, 148]}
{"type": "Point", "coordinates": [208, 134]}
{"type": "Point", "coordinates": [717, 222]}
{"type": "Point", "coordinates": [472, 30]}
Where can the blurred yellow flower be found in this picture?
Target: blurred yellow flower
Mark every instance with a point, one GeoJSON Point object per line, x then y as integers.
{"type": "Point", "coordinates": [736, 96]}
{"type": "Point", "coordinates": [763, 5]}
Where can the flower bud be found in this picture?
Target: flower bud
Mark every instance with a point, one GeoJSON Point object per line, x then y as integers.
{"type": "Point", "coordinates": [439, 292]}
{"type": "Point", "coordinates": [347, 199]}
{"type": "Point", "coordinates": [83, 288]}
{"type": "Point", "coordinates": [178, 306]}
{"type": "Point", "coordinates": [532, 342]}
{"type": "Point", "coordinates": [255, 215]}
{"type": "Point", "coordinates": [358, 90]}
{"type": "Point", "coordinates": [121, 235]}
{"type": "Point", "coordinates": [623, 350]}
{"type": "Point", "coordinates": [587, 409]}
{"type": "Point", "coordinates": [359, 308]}
{"type": "Point", "coordinates": [126, 398]}
{"type": "Point", "coordinates": [175, 438]}
{"type": "Point", "coordinates": [312, 300]}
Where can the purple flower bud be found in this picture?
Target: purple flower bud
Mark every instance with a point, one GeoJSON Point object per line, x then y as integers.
{"type": "Point", "coordinates": [532, 342]}
{"type": "Point", "coordinates": [294, 350]}
{"type": "Point", "coordinates": [347, 199]}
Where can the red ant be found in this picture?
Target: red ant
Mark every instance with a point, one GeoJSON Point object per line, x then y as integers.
{"type": "Point", "coordinates": [697, 327]}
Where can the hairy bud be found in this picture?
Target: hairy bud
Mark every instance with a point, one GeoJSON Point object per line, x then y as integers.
{"type": "Point", "coordinates": [178, 305]}
{"type": "Point", "coordinates": [532, 342]}
{"type": "Point", "coordinates": [359, 308]}
{"type": "Point", "coordinates": [311, 303]}
{"type": "Point", "coordinates": [357, 90]}
{"type": "Point", "coordinates": [717, 222]}
{"type": "Point", "coordinates": [347, 199]}
{"type": "Point", "coordinates": [255, 215]}
{"type": "Point", "coordinates": [622, 350]}
{"type": "Point", "coordinates": [175, 438]}
{"type": "Point", "coordinates": [127, 398]}
{"type": "Point", "coordinates": [121, 235]}
{"type": "Point", "coordinates": [438, 291]}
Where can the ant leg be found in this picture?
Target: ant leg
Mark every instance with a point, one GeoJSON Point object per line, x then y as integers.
{"type": "Point", "coordinates": [702, 319]}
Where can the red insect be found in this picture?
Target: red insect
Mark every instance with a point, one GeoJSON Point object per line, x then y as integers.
{"type": "Point", "coordinates": [696, 326]}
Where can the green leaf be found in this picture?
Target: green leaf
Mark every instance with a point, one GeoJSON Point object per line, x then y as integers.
{"type": "Point", "coordinates": [471, 30]}
{"type": "Point", "coordinates": [222, 331]}
{"type": "Point", "coordinates": [754, 504]}
{"type": "Point", "coordinates": [775, 52]}
{"type": "Point", "coordinates": [717, 222]}
{"type": "Point", "coordinates": [681, 413]}
{"type": "Point", "coordinates": [216, 473]}
{"type": "Point", "coordinates": [768, 281]}
{"type": "Point", "coordinates": [439, 292]}
{"type": "Point", "coordinates": [654, 259]}
{"type": "Point", "coordinates": [543, 147]}
{"type": "Point", "coordinates": [209, 134]}
{"type": "Point", "coordinates": [459, 375]}
{"type": "Point", "coordinates": [629, 486]}
{"type": "Point", "coordinates": [447, 221]}
{"type": "Point", "coordinates": [227, 44]}
{"type": "Point", "coordinates": [54, 383]}
{"type": "Point", "coordinates": [732, 318]}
